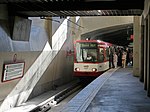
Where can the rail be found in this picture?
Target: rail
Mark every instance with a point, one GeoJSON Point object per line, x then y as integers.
{"type": "Point", "coordinates": [49, 103]}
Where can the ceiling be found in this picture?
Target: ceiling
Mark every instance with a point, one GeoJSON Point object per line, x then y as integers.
{"type": "Point", "coordinates": [64, 8]}
{"type": "Point", "coordinates": [37, 8]}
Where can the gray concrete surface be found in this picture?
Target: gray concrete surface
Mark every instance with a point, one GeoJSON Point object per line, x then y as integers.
{"type": "Point", "coordinates": [122, 92]}
{"type": "Point", "coordinates": [82, 100]}
{"type": "Point", "coordinates": [39, 100]}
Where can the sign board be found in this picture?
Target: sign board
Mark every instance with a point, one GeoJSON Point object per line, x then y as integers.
{"type": "Point", "coordinates": [13, 71]}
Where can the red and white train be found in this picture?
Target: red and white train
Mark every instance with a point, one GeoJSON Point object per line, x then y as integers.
{"type": "Point", "coordinates": [91, 58]}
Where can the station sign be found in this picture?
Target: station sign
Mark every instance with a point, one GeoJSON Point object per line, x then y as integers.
{"type": "Point", "coordinates": [13, 71]}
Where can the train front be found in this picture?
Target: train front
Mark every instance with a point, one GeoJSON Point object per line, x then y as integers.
{"type": "Point", "coordinates": [86, 61]}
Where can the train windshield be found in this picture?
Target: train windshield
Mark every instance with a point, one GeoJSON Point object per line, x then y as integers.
{"type": "Point", "coordinates": [86, 52]}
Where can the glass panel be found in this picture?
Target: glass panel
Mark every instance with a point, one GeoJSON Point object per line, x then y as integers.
{"type": "Point", "coordinates": [101, 56]}
{"type": "Point", "coordinates": [86, 52]}
{"type": "Point", "coordinates": [107, 53]}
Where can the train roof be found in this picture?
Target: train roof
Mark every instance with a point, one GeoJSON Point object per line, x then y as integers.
{"type": "Point", "coordinates": [96, 41]}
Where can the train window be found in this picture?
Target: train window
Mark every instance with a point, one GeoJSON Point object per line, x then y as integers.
{"type": "Point", "coordinates": [86, 54]}
{"type": "Point", "coordinates": [101, 56]}
{"type": "Point", "coordinates": [107, 53]}
{"type": "Point", "coordinates": [78, 53]}
{"type": "Point", "coordinates": [90, 55]}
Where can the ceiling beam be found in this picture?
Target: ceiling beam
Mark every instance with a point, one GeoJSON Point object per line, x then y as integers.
{"type": "Point", "coordinates": [78, 5]}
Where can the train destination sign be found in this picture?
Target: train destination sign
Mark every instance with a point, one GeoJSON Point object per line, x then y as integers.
{"type": "Point", "coordinates": [13, 71]}
{"type": "Point", "coordinates": [91, 45]}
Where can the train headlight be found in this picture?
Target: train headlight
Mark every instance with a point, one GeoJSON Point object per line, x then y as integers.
{"type": "Point", "coordinates": [77, 69]}
{"type": "Point", "coordinates": [94, 69]}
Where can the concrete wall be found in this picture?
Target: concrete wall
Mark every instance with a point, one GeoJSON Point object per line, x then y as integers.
{"type": "Point", "coordinates": [58, 72]}
{"type": "Point", "coordinates": [78, 30]}
{"type": "Point", "coordinates": [98, 22]}
{"type": "Point", "coordinates": [60, 67]}
{"type": "Point", "coordinates": [30, 51]}
{"type": "Point", "coordinates": [6, 87]}
{"type": "Point", "coordinates": [5, 40]}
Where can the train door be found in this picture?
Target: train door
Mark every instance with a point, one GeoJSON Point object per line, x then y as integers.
{"type": "Point", "coordinates": [101, 54]}
{"type": "Point", "coordinates": [107, 53]}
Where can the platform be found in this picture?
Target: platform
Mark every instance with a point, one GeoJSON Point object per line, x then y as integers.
{"type": "Point", "coordinates": [115, 91]}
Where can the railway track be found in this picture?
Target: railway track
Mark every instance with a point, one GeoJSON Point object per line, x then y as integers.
{"type": "Point", "coordinates": [57, 98]}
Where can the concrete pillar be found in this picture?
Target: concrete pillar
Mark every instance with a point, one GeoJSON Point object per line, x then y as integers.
{"type": "Point", "coordinates": [48, 27]}
{"type": "Point", "coordinates": [136, 46]}
{"type": "Point", "coordinates": [148, 61]}
{"type": "Point", "coordinates": [142, 52]}
{"type": "Point", "coordinates": [21, 29]}
{"type": "Point", "coordinates": [145, 53]}
{"type": "Point", "coordinates": [72, 31]}
{"type": "Point", "coordinates": [3, 12]}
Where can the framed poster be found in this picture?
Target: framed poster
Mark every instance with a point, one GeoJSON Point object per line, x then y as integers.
{"type": "Point", "coordinates": [13, 71]}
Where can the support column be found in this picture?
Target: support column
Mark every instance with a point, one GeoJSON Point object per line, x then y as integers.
{"type": "Point", "coordinates": [145, 52]}
{"type": "Point", "coordinates": [136, 46]}
{"type": "Point", "coordinates": [148, 61]}
{"type": "Point", "coordinates": [3, 12]}
{"type": "Point", "coordinates": [142, 52]}
{"type": "Point", "coordinates": [48, 27]}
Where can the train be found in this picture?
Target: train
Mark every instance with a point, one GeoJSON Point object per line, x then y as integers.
{"type": "Point", "coordinates": [91, 57]}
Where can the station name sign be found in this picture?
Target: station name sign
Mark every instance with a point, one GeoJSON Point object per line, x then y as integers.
{"type": "Point", "coordinates": [13, 71]}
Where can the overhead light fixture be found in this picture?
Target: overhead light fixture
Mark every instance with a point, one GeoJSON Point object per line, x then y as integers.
{"type": "Point", "coordinates": [99, 11]}
{"type": "Point", "coordinates": [99, 0]}
{"type": "Point", "coordinates": [42, 17]}
{"type": "Point", "coordinates": [88, 38]}
{"type": "Point", "coordinates": [46, 18]}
